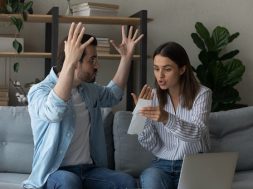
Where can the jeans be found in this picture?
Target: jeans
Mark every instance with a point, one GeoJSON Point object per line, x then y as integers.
{"type": "Point", "coordinates": [89, 177]}
{"type": "Point", "coordinates": [163, 174]}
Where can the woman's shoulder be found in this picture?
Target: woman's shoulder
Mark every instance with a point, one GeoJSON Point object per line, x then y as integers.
{"type": "Point", "coordinates": [204, 89]}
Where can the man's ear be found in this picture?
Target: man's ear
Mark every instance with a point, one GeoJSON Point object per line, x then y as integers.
{"type": "Point", "coordinates": [182, 70]}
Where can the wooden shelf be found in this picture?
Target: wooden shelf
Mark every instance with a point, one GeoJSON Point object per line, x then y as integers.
{"type": "Point", "coordinates": [68, 19]}
{"type": "Point", "coordinates": [26, 54]}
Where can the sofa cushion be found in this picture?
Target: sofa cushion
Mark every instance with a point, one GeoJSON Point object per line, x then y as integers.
{"type": "Point", "coordinates": [16, 140]}
{"type": "Point", "coordinates": [233, 131]}
{"type": "Point", "coordinates": [12, 180]}
{"type": "Point", "coordinates": [129, 156]}
{"type": "Point", "coordinates": [243, 180]}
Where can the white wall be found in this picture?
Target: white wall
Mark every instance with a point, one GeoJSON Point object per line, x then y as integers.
{"type": "Point", "coordinates": [174, 20]}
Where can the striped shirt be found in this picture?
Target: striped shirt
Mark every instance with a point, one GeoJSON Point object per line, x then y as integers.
{"type": "Point", "coordinates": [185, 132]}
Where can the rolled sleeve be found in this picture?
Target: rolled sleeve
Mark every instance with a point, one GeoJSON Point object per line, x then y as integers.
{"type": "Point", "coordinates": [117, 91]}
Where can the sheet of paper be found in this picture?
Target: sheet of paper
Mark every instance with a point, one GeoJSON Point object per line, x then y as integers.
{"type": "Point", "coordinates": [138, 121]}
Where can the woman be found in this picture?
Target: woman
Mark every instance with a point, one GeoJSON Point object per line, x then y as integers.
{"type": "Point", "coordinates": [176, 121]}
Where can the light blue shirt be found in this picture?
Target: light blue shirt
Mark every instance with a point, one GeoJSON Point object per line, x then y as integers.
{"type": "Point", "coordinates": [52, 122]}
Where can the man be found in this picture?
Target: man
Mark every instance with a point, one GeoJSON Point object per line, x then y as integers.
{"type": "Point", "coordinates": [69, 142]}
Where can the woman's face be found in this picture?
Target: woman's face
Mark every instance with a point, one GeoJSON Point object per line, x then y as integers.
{"type": "Point", "coordinates": [167, 73]}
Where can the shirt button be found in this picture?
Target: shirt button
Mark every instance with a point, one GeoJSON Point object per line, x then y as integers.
{"type": "Point", "coordinates": [69, 134]}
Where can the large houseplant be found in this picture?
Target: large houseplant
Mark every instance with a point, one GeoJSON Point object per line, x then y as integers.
{"type": "Point", "coordinates": [219, 69]}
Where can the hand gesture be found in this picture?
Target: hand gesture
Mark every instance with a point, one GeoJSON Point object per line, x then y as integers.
{"type": "Point", "coordinates": [155, 113]}
{"type": "Point", "coordinates": [146, 93]}
{"type": "Point", "coordinates": [73, 47]}
{"type": "Point", "coordinates": [126, 48]}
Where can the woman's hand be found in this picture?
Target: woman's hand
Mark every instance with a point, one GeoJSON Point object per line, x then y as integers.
{"type": "Point", "coordinates": [126, 48]}
{"type": "Point", "coordinates": [146, 93]}
{"type": "Point", "coordinates": [155, 113]}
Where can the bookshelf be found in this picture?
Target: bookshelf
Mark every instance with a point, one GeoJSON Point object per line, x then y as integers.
{"type": "Point", "coordinates": [52, 20]}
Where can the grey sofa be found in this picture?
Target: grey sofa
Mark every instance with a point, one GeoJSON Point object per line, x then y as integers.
{"type": "Point", "coordinates": [230, 131]}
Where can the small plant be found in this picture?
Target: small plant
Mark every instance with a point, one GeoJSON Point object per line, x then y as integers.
{"type": "Point", "coordinates": [219, 70]}
{"type": "Point", "coordinates": [17, 7]}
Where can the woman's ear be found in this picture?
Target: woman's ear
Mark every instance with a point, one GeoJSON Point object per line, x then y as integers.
{"type": "Point", "coordinates": [182, 70]}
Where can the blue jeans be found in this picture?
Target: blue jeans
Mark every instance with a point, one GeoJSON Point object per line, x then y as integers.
{"type": "Point", "coordinates": [163, 174]}
{"type": "Point", "coordinates": [89, 177]}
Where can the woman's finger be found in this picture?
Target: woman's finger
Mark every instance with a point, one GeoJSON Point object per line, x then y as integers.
{"type": "Point", "coordinates": [135, 98]}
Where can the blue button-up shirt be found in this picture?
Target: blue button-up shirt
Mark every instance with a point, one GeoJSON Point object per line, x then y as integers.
{"type": "Point", "coordinates": [52, 122]}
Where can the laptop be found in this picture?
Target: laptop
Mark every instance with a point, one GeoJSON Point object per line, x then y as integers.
{"type": "Point", "coordinates": [208, 171]}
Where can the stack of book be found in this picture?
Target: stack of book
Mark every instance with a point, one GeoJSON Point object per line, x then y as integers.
{"type": "Point", "coordinates": [4, 97]}
{"type": "Point", "coordinates": [103, 45]}
{"type": "Point", "coordinates": [94, 9]}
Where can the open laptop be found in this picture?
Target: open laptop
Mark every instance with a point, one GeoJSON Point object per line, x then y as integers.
{"type": "Point", "coordinates": [208, 171]}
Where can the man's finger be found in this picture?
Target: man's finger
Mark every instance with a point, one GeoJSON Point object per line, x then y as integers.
{"type": "Point", "coordinates": [71, 30]}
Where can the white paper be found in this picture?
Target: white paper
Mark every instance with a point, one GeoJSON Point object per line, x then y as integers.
{"type": "Point", "coordinates": [138, 121]}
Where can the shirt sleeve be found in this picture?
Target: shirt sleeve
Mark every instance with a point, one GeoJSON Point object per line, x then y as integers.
{"type": "Point", "coordinates": [194, 129]}
{"type": "Point", "coordinates": [149, 138]}
{"type": "Point", "coordinates": [110, 95]}
{"type": "Point", "coordinates": [44, 104]}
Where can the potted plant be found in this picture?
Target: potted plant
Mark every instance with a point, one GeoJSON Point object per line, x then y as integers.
{"type": "Point", "coordinates": [219, 69]}
{"type": "Point", "coordinates": [17, 7]}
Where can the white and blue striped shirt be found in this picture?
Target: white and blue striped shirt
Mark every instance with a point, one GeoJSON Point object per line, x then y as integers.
{"type": "Point", "coordinates": [185, 132]}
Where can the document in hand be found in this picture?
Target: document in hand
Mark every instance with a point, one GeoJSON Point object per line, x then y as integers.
{"type": "Point", "coordinates": [138, 121]}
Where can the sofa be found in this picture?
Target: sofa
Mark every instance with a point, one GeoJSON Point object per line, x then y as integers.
{"type": "Point", "coordinates": [229, 130]}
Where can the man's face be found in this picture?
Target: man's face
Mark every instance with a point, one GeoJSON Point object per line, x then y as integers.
{"type": "Point", "coordinates": [87, 70]}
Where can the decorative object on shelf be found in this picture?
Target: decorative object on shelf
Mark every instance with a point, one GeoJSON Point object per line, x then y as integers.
{"type": "Point", "coordinates": [69, 9]}
{"type": "Point", "coordinates": [19, 7]}
{"type": "Point", "coordinates": [21, 91]}
{"type": "Point", "coordinates": [218, 70]}
{"type": "Point", "coordinates": [95, 9]}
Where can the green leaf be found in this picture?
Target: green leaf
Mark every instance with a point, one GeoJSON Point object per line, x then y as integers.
{"type": "Point", "coordinates": [218, 74]}
{"type": "Point", "coordinates": [16, 67]}
{"type": "Point", "coordinates": [233, 36]}
{"type": "Point", "coordinates": [198, 41]}
{"type": "Point", "coordinates": [17, 46]}
{"type": "Point", "coordinates": [234, 70]}
{"type": "Point", "coordinates": [229, 55]}
{"type": "Point", "coordinates": [18, 22]}
{"type": "Point", "coordinates": [220, 36]}
{"type": "Point", "coordinates": [28, 5]}
{"type": "Point", "coordinates": [207, 57]}
{"type": "Point", "coordinates": [9, 8]}
{"type": "Point", "coordinates": [202, 31]}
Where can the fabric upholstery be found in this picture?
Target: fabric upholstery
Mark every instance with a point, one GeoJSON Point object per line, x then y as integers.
{"type": "Point", "coordinates": [16, 141]}
{"type": "Point", "coordinates": [129, 156]}
{"type": "Point", "coordinates": [233, 131]}
{"type": "Point", "coordinates": [230, 131]}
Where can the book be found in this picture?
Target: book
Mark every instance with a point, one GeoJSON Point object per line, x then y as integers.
{"type": "Point", "coordinates": [95, 12]}
{"type": "Point", "coordinates": [95, 5]}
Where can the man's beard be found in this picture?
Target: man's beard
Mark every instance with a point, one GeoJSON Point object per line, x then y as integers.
{"type": "Point", "coordinates": [92, 79]}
